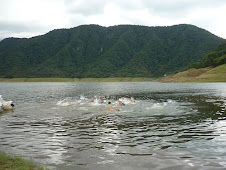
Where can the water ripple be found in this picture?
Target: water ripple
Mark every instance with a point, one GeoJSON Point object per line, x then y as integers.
{"type": "Point", "coordinates": [187, 132]}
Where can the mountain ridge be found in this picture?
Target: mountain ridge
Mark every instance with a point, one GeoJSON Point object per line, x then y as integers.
{"type": "Point", "coordinates": [96, 51]}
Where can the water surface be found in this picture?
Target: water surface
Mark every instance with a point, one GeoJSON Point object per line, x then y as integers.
{"type": "Point", "coordinates": [170, 126]}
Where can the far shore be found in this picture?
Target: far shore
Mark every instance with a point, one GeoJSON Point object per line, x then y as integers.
{"type": "Point", "coordinates": [208, 74]}
{"type": "Point", "coordinates": [168, 79]}
{"type": "Point", "coordinates": [122, 79]}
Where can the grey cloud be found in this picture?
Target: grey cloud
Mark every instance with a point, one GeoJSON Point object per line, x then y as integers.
{"type": "Point", "coordinates": [79, 12]}
{"type": "Point", "coordinates": [85, 7]}
{"type": "Point", "coordinates": [130, 5]}
{"type": "Point", "coordinates": [168, 8]}
{"type": "Point", "coordinates": [179, 8]}
{"type": "Point", "coordinates": [18, 29]}
{"type": "Point", "coordinates": [17, 26]}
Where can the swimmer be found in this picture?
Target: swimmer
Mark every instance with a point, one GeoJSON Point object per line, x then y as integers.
{"type": "Point", "coordinates": [127, 100]}
{"type": "Point", "coordinates": [132, 101]}
{"type": "Point", "coordinates": [101, 100]}
{"type": "Point", "coordinates": [120, 103]}
{"type": "Point", "coordinates": [109, 104]}
{"type": "Point", "coordinates": [91, 100]}
{"type": "Point", "coordinates": [121, 99]}
{"type": "Point", "coordinates": [111, 110]}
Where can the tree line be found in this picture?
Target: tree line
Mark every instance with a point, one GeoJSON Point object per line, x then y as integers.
{"type": "Point", "coordinates": [116, 51]}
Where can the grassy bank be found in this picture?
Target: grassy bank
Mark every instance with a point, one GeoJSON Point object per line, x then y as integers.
{"type": "Point", "coordinates": [11, 163]}
{"type": "Point", "coordinates": [124, 79]}
{"type": "Point", "coordinates": [217, 74]}
{"type": "Point", "coordinates": [209, 74]}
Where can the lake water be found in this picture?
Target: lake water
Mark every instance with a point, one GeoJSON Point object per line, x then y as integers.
{"type": "Point", "coordinates": [170, 126]}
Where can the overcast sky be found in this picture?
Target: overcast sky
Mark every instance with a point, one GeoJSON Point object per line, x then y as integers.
{"type": "Point", "coordinates": [27, 18]}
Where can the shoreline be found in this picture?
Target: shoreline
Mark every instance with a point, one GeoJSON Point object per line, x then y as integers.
{"type": "Point", "coordinates": [121, 79]}
{"type": "Point", "coordinates": [208, 74]}
{"type": "Point", "coordinates": [168, 79]}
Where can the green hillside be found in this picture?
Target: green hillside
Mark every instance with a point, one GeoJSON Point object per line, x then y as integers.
{"type": "Point", "coordinates": [207, 74]}
{"type": "Point", "coordinates": [212, 68]}
{"type": "Point", "coordinates": [215, 58]}
{"type": "Point", "coordinates": [95, 51]}
{"type": "Point", "coordinates": [217, 74]}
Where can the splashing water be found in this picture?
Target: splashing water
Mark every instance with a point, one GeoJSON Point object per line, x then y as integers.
{"type": "Point", "coordinates": [169, 126]}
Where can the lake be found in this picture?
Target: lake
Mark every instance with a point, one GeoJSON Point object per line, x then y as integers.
{"type": "Point", "coordinates": [170, 125]}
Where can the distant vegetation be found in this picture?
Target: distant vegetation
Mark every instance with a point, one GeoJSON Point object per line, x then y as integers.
{"type": "Point", "coordinates": [99, 52]}
{"type": "Point", "coordinates": [215, 58]}
{"type": "Point", "coordinates": [113, 79]}
{"type": "Point", "coordinates": [212, 68]}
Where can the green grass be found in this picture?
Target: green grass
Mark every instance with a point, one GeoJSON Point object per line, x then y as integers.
{"type": "Point", "coordinates": [16, 163]}
{"type": "Point", "coordinates": [217, 74]}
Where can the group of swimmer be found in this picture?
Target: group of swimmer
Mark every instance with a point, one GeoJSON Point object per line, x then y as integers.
{"type": "Point", "coordinates": [99, 100]}
{"type": "Point", "coordinates": [122, 101]}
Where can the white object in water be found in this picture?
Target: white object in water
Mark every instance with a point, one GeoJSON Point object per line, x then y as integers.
{"type": "Point", "coordinates": [167, 102]}
{"type": "Point", "coordinates": [127, 100]}
{"type": "Point", "coordinates": [62, 103]}
{"type": "Point", "coordinates": [6, 105]}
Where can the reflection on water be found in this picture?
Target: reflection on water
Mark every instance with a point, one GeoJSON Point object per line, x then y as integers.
{"type": "Point", "coordinates": [170, 126]}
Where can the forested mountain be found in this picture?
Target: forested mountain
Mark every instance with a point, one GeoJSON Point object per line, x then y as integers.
{"type": "Point", "coordinates": [95, 51]}
{"type": "Point", "coordinates": [214, 58]}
